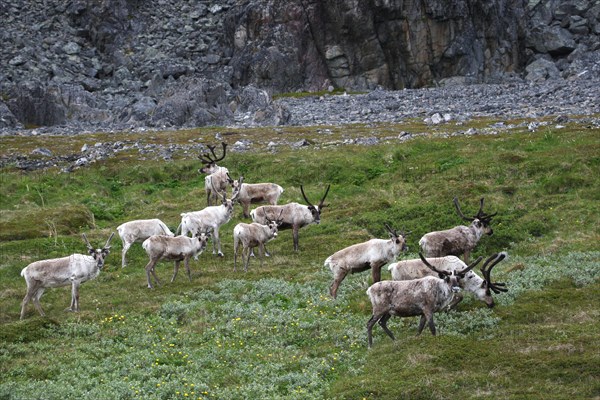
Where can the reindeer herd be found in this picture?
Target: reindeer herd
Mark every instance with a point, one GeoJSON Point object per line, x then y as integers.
{"type": "Point", "coordinates": [419, 287]}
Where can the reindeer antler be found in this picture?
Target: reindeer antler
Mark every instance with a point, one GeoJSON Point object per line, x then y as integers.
{"type": "Point", "coordinates": [497, 287]}
{"type": "Point", "coordinates": [460, 213]}
{"type": "Point", "coordinates": [434, 269]}
{"type": "Point", "coordinates": [392, 232]}
{"type": "Point", "coordinates": [207, 159]}
{"type": "Point", "coordinates": [106, 246]}
{"type": "Point", "coordinates": [87, 242]}
{"type": "Point", "coordinates": [470, 266]}
{"type": "Point", "coordinates": [304, 195]}
{"type": "Point", "coordinates": [323, 199]}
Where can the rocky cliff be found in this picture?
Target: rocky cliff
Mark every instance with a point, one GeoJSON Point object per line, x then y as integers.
{"type": "Point", "coordinates": [116, 64]}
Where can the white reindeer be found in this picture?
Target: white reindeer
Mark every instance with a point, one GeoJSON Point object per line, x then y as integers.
{"type": "Point", "coordinates": [423, 297]}
{"type": "Point", "coordinates": [212, 217]}
{"type": "Point", "coordinates": [293, 215]}
{"type": "Point", "coordinates": [217, 180]}
{"type": "Point", "coordinates": [480, 287]}
{"type": "Point", "coordinates": [372, 254]}
{"type": "Point", "coordinates": [250, 236]}
{"type": "Point", "coordinates": [254, 193]}
{"type": "Point", "coordinates": [72, 270]}
{"type": "Point", "coordinates": [178, 248]}
{"type": "Point", "coordinates": [138, 231]}
{"type": "Point", "coordinates": [460, 240]}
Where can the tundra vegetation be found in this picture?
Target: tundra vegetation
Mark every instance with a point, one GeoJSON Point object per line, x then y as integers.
{"type": "Point", "coordinates": [275, 330]}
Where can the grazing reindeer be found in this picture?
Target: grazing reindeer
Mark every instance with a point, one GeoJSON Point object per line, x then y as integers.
{"type": "Point", "coordinates": [250, 236]}
{"type": "Point", "coordinates": [293, 215]}
{"type": "Point", "coordinates": [178, 248]}
{"type": "Point", "coordinates": [460, 240]}
{"type": "Point", "coordinates": [414, 269]}
{"type": "Point", "coordinates": [72, 270]}
{"type": "Point", "coordinates": [138, 231]}
{"type": "Point", "coordinates": [211, 217]}
{"type": "Point", "coordinates": [423, 297]}
{"type": "Point", "coordinates": [217, 179]}
{"type": "Point", "coordinates": [372, 254]}
{"type": "Point", "coordinates": [253, 193]}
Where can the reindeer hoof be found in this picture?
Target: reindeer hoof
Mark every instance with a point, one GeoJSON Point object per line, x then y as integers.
{"type": "Point", "coordinates": [221, 254]}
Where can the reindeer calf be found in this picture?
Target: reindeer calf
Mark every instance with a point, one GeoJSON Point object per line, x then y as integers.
{"type": "Point", "coordinates": [250, 236]}
{"type": "Point", "coordinates": [178, 248]}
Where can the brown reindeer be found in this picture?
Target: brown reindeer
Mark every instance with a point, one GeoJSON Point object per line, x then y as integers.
{"type": "Point", "coordinates": [293, 215]}
{"type": "Point", "coordinates": [460, 240]}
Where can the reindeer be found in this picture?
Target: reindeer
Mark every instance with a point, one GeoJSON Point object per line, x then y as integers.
{"type": "Point", "coordinates": [217, 179]}
{"type": "Point", "coordinates": [138, 231]}
{"type": "Point", "coordinates": [253, 193]}
{"type": "Point", "coordinates": [460, 240]}
{"type": "Point", "coordinates": [178, 248]}
{"type": "Point", "coordinates": [293, 215]}
{"type": "Point", "coordinates": [372, 254]}
{"type": "Point", "coordinates": [211, 217]}
{"type": "Point", "coordinates": [482, 288]}
{"type": "Point", "coordinates": [71, 270]}
{"type": "Point", "coordinates": [423, 297]}
{"type": "Point", "coordinates": [250, 236]}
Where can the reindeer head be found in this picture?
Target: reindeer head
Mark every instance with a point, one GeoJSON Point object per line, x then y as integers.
{"type": "Point", "coordinates": [481, 221]}
{"type": "Point", "coordinates": [452, 278]}
{"type": "Point", "coordinates": [210, 162]}
{"type": "Point", "coordinates": [274, 224]}
{"type": "Point", "coordinates": [399, 239]}
{"type": "Point", "coordinates": [98, 254]}
{"type": "Point", "coordinates": [236, 185]}
{"type": "Point", "coordinates": [202, 237]}
{"type": "Point", "coordinates": [315, 210]}
{"type": "Point", "coordinates": [228, 204]}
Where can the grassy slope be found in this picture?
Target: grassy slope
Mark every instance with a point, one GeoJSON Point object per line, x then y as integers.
{"type": "Point", "coordinates": [273, 330]}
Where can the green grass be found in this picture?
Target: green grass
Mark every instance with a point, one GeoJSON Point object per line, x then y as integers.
{"type": "Point", "coordinates": [274, 332]}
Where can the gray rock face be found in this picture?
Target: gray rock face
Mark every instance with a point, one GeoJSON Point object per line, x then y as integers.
{"type": "Point", "coordinates": [119, 64]}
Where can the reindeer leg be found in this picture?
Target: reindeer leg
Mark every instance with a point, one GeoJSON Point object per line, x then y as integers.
{"type": "Point", "coordinates": [150, 269]}
{"type": "Point", "coordinates": [218, 241]}
{"type": "Point", "coordinates": [186, 261]}
{"type": "Point", "coordinates": [30, 293]}
{"type": "Point", "coordinates": [75, 297]}
{"type": "Point", "coordinates": [370, 324]}
{"type": "Point", "coordinates": [376, 272]}
{"type": "Point", "coordinates": [36, 301]}
{"type": "Point", "coordinates": [126, 247]}
{"type": "Point", "coordinates": [246, 258]}
{"type": "Point", "coordinates": [430, 323]}
{"type": "Point", "coordinates": [338, 278]}
{"type": "Point", "coordinates": [421, 324]}
{"type": "Point", "coordinates": [175, 271]}
{"type": "Point", "coordinates": [261, 254]}
{"type": "Point", "coordinates": [235, 251]}
{"type": "Point", "coordinates": [466, 256]}
{"type": "Point", "coordinates": [246, 206]}
{"type": "Point", "coordinates": [295, 230]}
{"type": "Point", "coordinates": [383, 323]}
